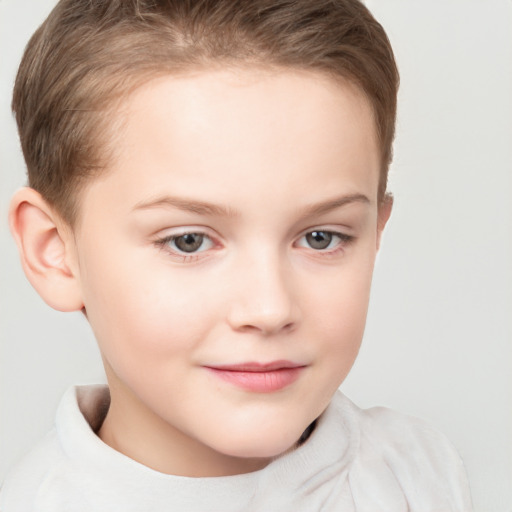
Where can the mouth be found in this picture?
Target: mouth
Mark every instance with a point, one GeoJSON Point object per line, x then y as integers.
{"type": "Point", "coordinates": [259, 377]}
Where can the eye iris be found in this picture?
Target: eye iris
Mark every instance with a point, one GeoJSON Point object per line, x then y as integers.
{"type": "Point", "coordinates": [189, 242]}
{"type": "Point", "coordinates": [319, 239]}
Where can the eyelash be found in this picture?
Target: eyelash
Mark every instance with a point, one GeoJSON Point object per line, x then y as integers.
{"type": "Point", "coordinates": [164, 243]}
{"type": "Point", "coordinates": [344, 241]}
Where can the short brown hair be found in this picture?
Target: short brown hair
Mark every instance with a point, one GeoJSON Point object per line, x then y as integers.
{"type": "Point", "coordinates": [89, 53]}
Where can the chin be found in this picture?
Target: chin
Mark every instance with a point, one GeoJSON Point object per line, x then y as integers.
{"type": "Point", "coordinates": [262, 443]}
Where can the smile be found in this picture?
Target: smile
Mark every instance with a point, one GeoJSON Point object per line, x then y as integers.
{"type": "Point", "coordinates": [259, 378]}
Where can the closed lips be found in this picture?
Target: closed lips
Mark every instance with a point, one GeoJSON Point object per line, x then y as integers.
{"type": "Point", "coordinates": [259, 378]}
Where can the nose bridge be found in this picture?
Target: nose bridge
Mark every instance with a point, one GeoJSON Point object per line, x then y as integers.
{"type": "Point", "coordinates": [265, 300]}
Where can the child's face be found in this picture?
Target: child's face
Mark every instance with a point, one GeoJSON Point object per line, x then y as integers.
{"type": "Point", "coordinates": [236, 228]}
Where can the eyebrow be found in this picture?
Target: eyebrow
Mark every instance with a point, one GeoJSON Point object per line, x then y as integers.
{"type": "Point", "coordinates": [210, 209]}
{"type": "Point", "coordinates": [192, 206]}
{"type": "Point", "coordinates": [332, 204]}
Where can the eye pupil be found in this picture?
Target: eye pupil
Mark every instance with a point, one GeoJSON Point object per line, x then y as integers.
{"type": "Point", "coordinates": [189, 242]}
{"type": "Point", "coordinates": [319, 239]}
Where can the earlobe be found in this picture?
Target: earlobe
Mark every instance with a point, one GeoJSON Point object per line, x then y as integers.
{"type": "Point", "coordinates": [385, 209]}
{"type": "Point", "coordinates": [45, 250]}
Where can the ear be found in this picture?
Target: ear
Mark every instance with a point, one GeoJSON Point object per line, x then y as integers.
{"type": "Point", "coordinates": [384, 213]}
{"type": "Point", "coordinates": [46, 247]}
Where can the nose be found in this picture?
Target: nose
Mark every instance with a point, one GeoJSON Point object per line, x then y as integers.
{"type": "Point", "coordinates": [265, 301]}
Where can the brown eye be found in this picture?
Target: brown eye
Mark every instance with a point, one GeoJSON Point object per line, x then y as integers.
{"type": "Point", "coordinates": [190, 242]}
{"type": "Point", "coordinates": [319, 239]}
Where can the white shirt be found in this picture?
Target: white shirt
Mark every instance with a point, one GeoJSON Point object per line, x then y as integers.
{"type": "Point", "coordinates": [373, 460]}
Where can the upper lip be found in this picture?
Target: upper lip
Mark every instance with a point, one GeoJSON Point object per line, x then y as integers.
{"type": "Point", "coordinates": [257, 367]}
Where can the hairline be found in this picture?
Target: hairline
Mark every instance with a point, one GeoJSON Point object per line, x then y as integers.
{"type": "Point", "coordinates": [112, 109]}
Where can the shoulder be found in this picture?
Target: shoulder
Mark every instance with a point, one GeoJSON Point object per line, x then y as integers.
{"type": "Point", "coordinates": [51, 473]}
{"type": "Point", "coordinates": [410, 454]}
{"type": "Point", "coordinates": [407, 441]}
{"type": "Point", "coordinates": [25, 480]}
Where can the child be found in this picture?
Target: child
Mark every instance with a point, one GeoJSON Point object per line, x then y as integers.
{"type": "Point", "coordinates": [208, 185]}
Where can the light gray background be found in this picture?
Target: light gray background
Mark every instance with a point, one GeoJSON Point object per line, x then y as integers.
{"type": "Point", "coordinates": [438, 342]}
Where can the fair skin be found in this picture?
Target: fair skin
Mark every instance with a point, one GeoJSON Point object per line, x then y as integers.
{"type": "Point", "coordinates": [224, 260]}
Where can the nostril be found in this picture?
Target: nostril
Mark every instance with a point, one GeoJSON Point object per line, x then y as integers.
{"type": "Point", "coordinates": [269, 308]}
{"type": "Point", "coordinates": [264, 328]}
{"type": "Point", "coordinates": [275, 328]}
{"type": "Point", "coordinates": [288, 327]}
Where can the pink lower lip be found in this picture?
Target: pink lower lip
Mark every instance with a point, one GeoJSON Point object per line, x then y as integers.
{"type": "Point", "coordinates": [265, 381]}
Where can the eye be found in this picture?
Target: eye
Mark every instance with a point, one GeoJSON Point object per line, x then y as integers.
{"type": "Point", "coordinates": [321, 240]}
{"type": "Point", "coordinates": [191, 242]}
{"type": "Point", "coordinates": [187, 243]}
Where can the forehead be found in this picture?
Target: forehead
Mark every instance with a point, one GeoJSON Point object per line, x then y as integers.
{"type": "Point", "coordinates": [220, 131]}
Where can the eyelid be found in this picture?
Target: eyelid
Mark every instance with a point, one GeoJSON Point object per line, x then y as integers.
{"type": "Point", "coordinates": [346, 239]}
{"type": "Point", "coordinates": [162, 242]}
{"type": "Point", "coordinates": [175, 232]}
{"type": "Point", "coordinates": [343, 231]}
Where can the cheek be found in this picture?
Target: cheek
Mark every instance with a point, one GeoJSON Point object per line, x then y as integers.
{"type": "Point", "coordinates": [142, 312]}
{"type": "Point", "coordinates": [343, 298]}
{"type": "Point", "coordinates": [340, 312]}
